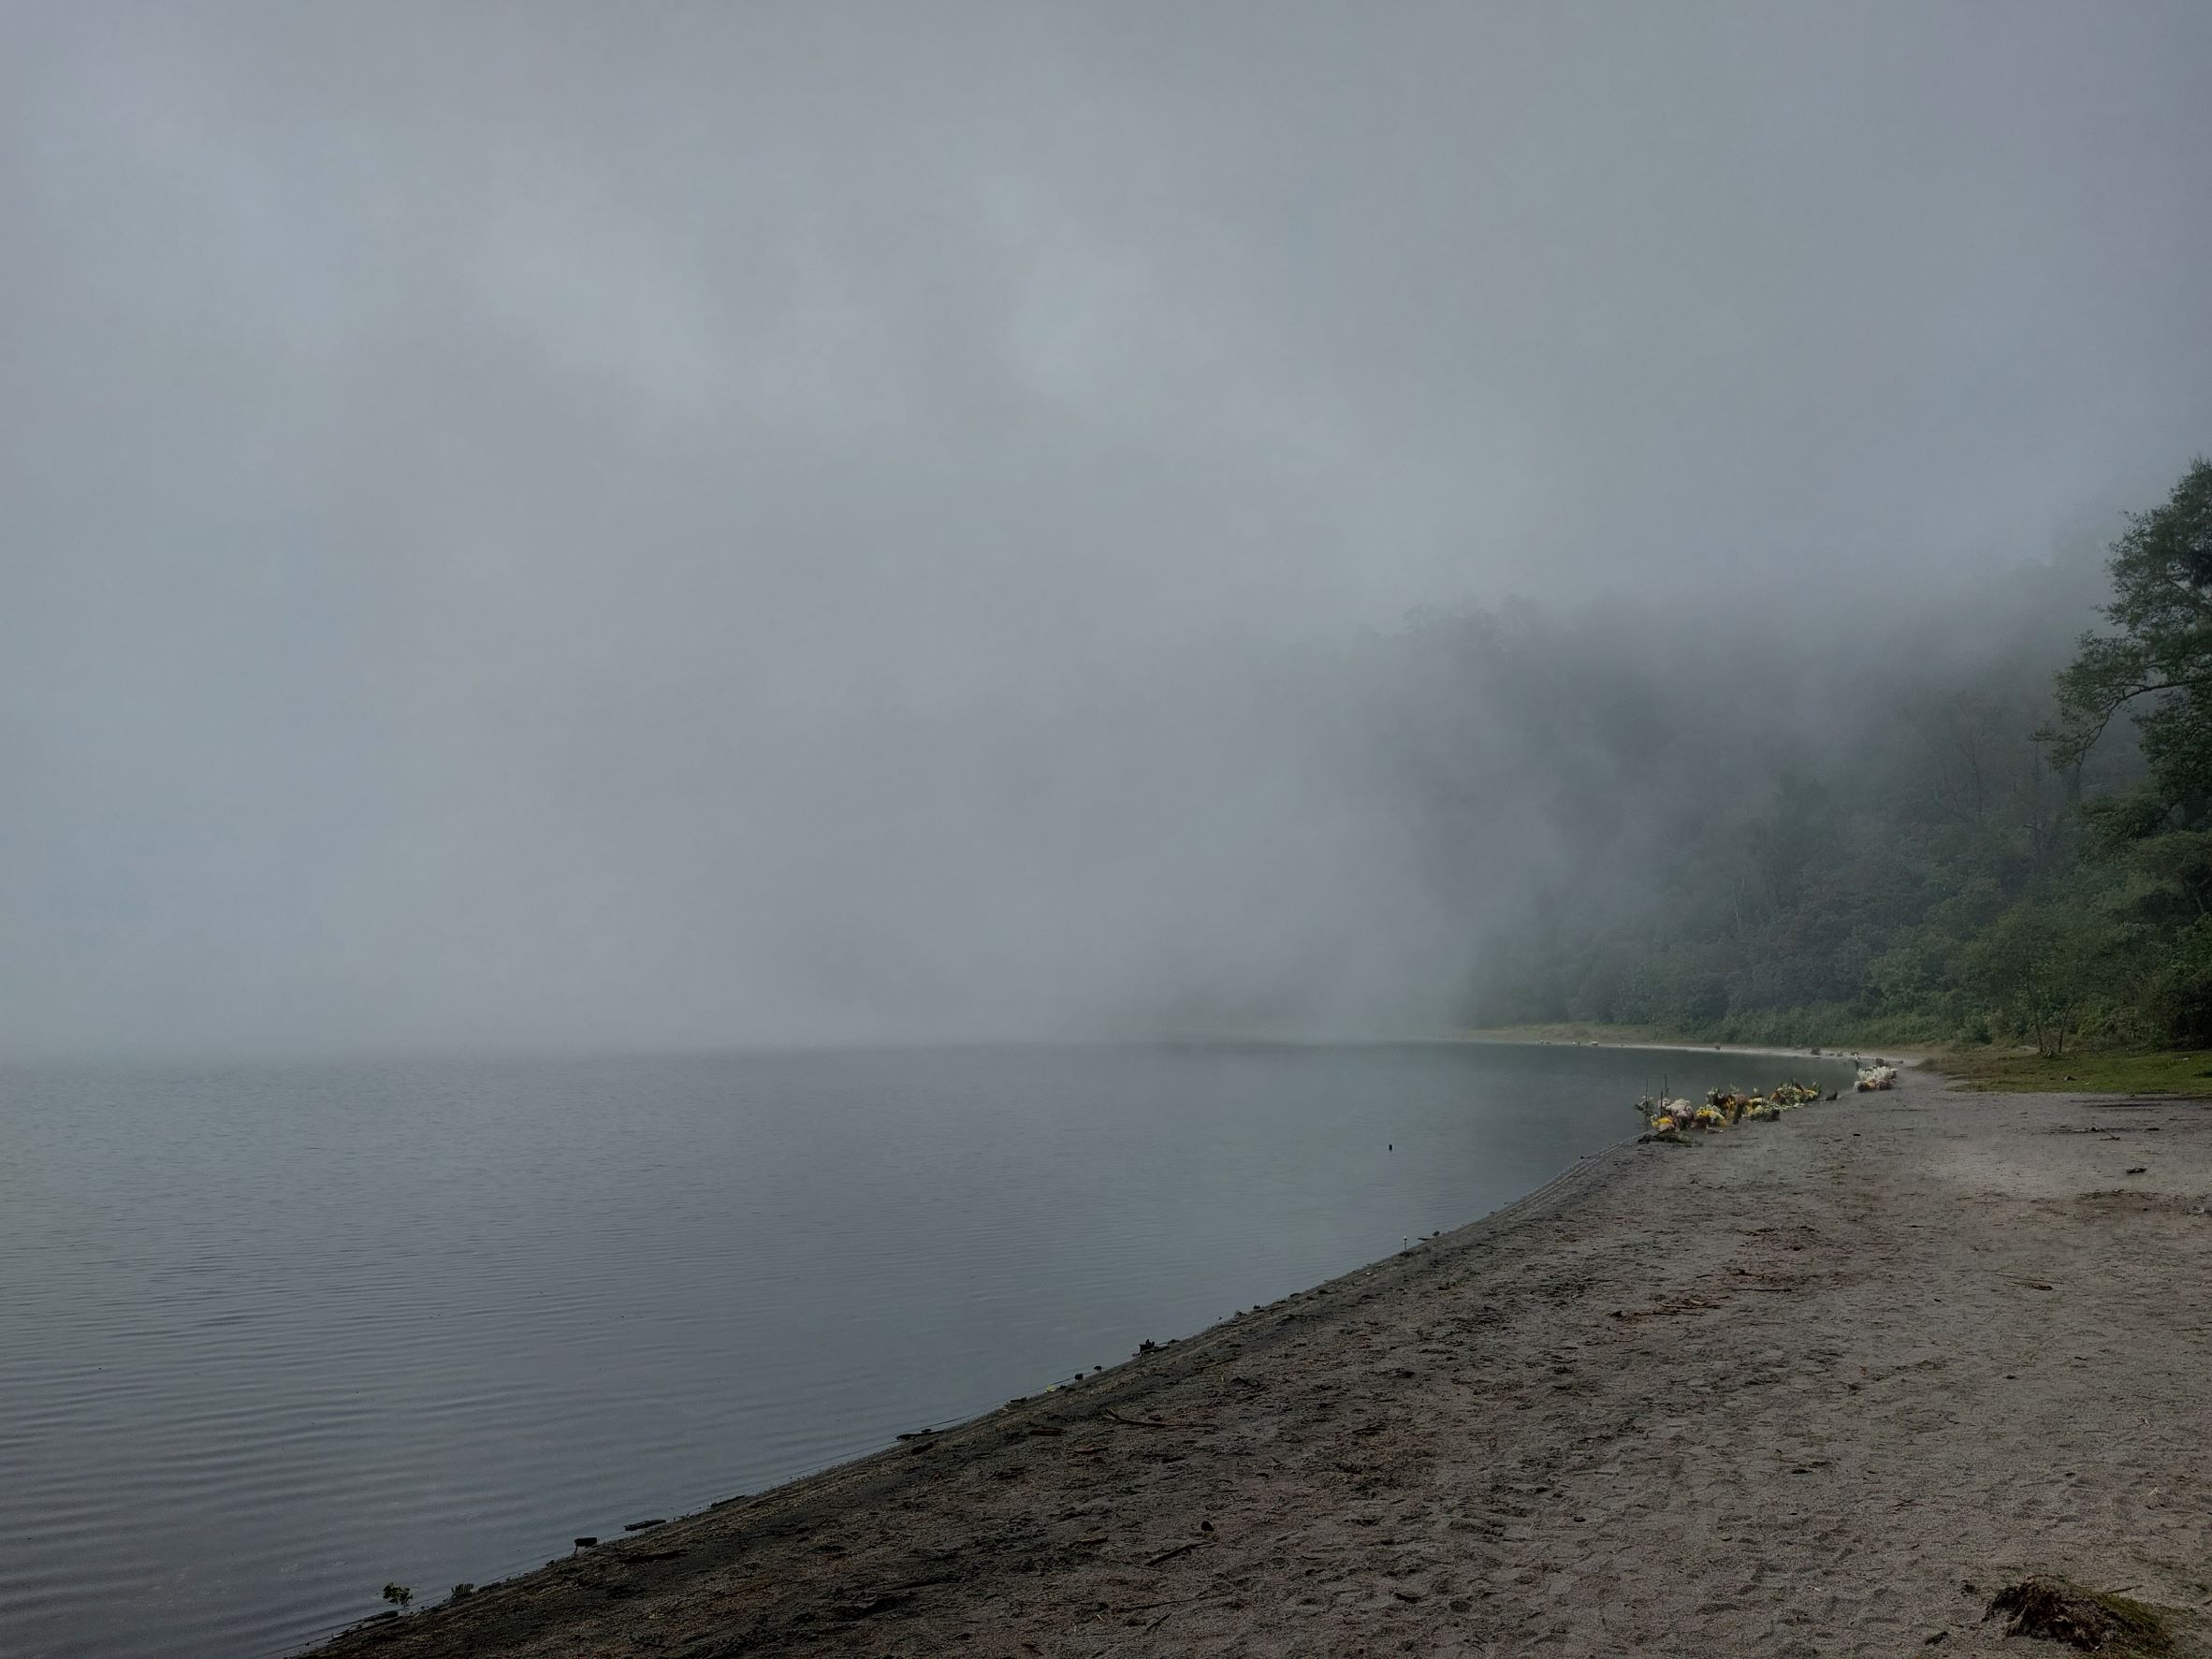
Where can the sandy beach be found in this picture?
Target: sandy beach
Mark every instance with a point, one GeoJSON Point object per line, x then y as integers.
{"type": "Point", "coordinates": [1809, 1388]}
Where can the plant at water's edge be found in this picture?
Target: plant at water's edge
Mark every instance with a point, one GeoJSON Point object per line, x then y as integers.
{"type": "Point", "coordinates": [462, 1591]}
{"type": "Point", "coordinates": [398, 1595]}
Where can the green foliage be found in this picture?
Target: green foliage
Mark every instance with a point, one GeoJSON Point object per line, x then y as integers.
{"type": "Point", "coordinates": [398, 1595]}
{"type": "Point", "coordinates": [2159, 665]}
{"type": "Point", "coordinates": [2042, 965]}
{"type": "Point", "coordinates": [1947, 853]}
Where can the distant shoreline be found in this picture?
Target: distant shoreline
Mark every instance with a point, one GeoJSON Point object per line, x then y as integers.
{"type": "Point", "coordinates": [1857, 1358]}
{"type": "Point", "coordinates": [1551, 1037]}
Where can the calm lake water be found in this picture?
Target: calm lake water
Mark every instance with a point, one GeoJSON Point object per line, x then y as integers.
{"type": "Point", "coordinates": [272, 1337]}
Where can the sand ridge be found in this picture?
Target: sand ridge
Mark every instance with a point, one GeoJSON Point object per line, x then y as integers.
{"type": "Point", "coordinates": [1809, 1388]}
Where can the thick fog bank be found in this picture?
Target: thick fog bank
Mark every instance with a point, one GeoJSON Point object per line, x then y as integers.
{"type": "Point", "coordinates": [588, 525]}
{"type": "Point", "coordinates": [1336, 837]}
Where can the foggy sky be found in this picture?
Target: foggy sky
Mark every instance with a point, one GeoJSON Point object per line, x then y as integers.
{"type": "Point", "coordinates": [634, 524]}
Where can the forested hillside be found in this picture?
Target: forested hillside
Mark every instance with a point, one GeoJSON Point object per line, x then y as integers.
{"type": "Point", "coordinates": [1942, 827]}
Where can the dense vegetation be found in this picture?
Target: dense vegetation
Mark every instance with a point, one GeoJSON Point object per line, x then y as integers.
{"type": "Point", "coordinates": [1981, 825]}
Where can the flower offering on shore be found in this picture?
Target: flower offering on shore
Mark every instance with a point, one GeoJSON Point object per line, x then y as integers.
{"type": "Point", "coordinates": [1722, 1108]}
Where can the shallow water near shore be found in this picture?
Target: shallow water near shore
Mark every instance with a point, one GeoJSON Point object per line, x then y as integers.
{"type": "Point", "coordinates": [272, 1337]}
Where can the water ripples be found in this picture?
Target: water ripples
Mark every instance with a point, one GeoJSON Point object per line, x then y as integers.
{"type": "Point", "coordinates": [272, 1337]}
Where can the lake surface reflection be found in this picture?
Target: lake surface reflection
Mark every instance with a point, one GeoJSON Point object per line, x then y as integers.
{"type": "Point", "coordinates": [271, 1337]}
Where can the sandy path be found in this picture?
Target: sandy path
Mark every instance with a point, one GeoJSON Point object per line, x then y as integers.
{"type": "Point", "coordinates": [1786, 1393]}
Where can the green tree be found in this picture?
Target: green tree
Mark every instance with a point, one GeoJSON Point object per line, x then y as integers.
{"type": "Point", "coordinates": [2042, 965]}
{"type": "Point", "coordinates": [2158, 666]}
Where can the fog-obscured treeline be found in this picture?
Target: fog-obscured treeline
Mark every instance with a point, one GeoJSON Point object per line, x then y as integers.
{"type": "Point", "coordinates": [1801, 828]}
{"type": "Point", "coordinates": [1762, 816]}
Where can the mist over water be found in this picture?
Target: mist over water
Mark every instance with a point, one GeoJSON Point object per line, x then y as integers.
{"type": "Point", "coordinates": [557, 526]}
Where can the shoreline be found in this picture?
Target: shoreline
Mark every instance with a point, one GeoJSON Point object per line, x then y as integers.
{"type": "Point", "coordinates": [1711, 1400]}
{"type": "Point", "coordinates": [1911, 1054]}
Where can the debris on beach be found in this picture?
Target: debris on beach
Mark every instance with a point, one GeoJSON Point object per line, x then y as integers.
{"type": "Point", "coordinates": [1876, 1077]}
{"type": "Point", "coordinates": [1722, 1108]}
{"type": "Point", "coordinates": [2093, 1620]}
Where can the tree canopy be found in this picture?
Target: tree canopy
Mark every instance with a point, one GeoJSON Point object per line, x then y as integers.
{"type": "Point", "coordinates": [1940, 828]}
{"type": "Point", "coordinates": [2158, 666]}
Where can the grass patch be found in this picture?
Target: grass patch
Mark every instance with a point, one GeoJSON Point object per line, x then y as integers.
{"type": "Point", "coordinates": [2097, 1072]}
{"type": "Point", "coordinates": [2093, 1620]}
